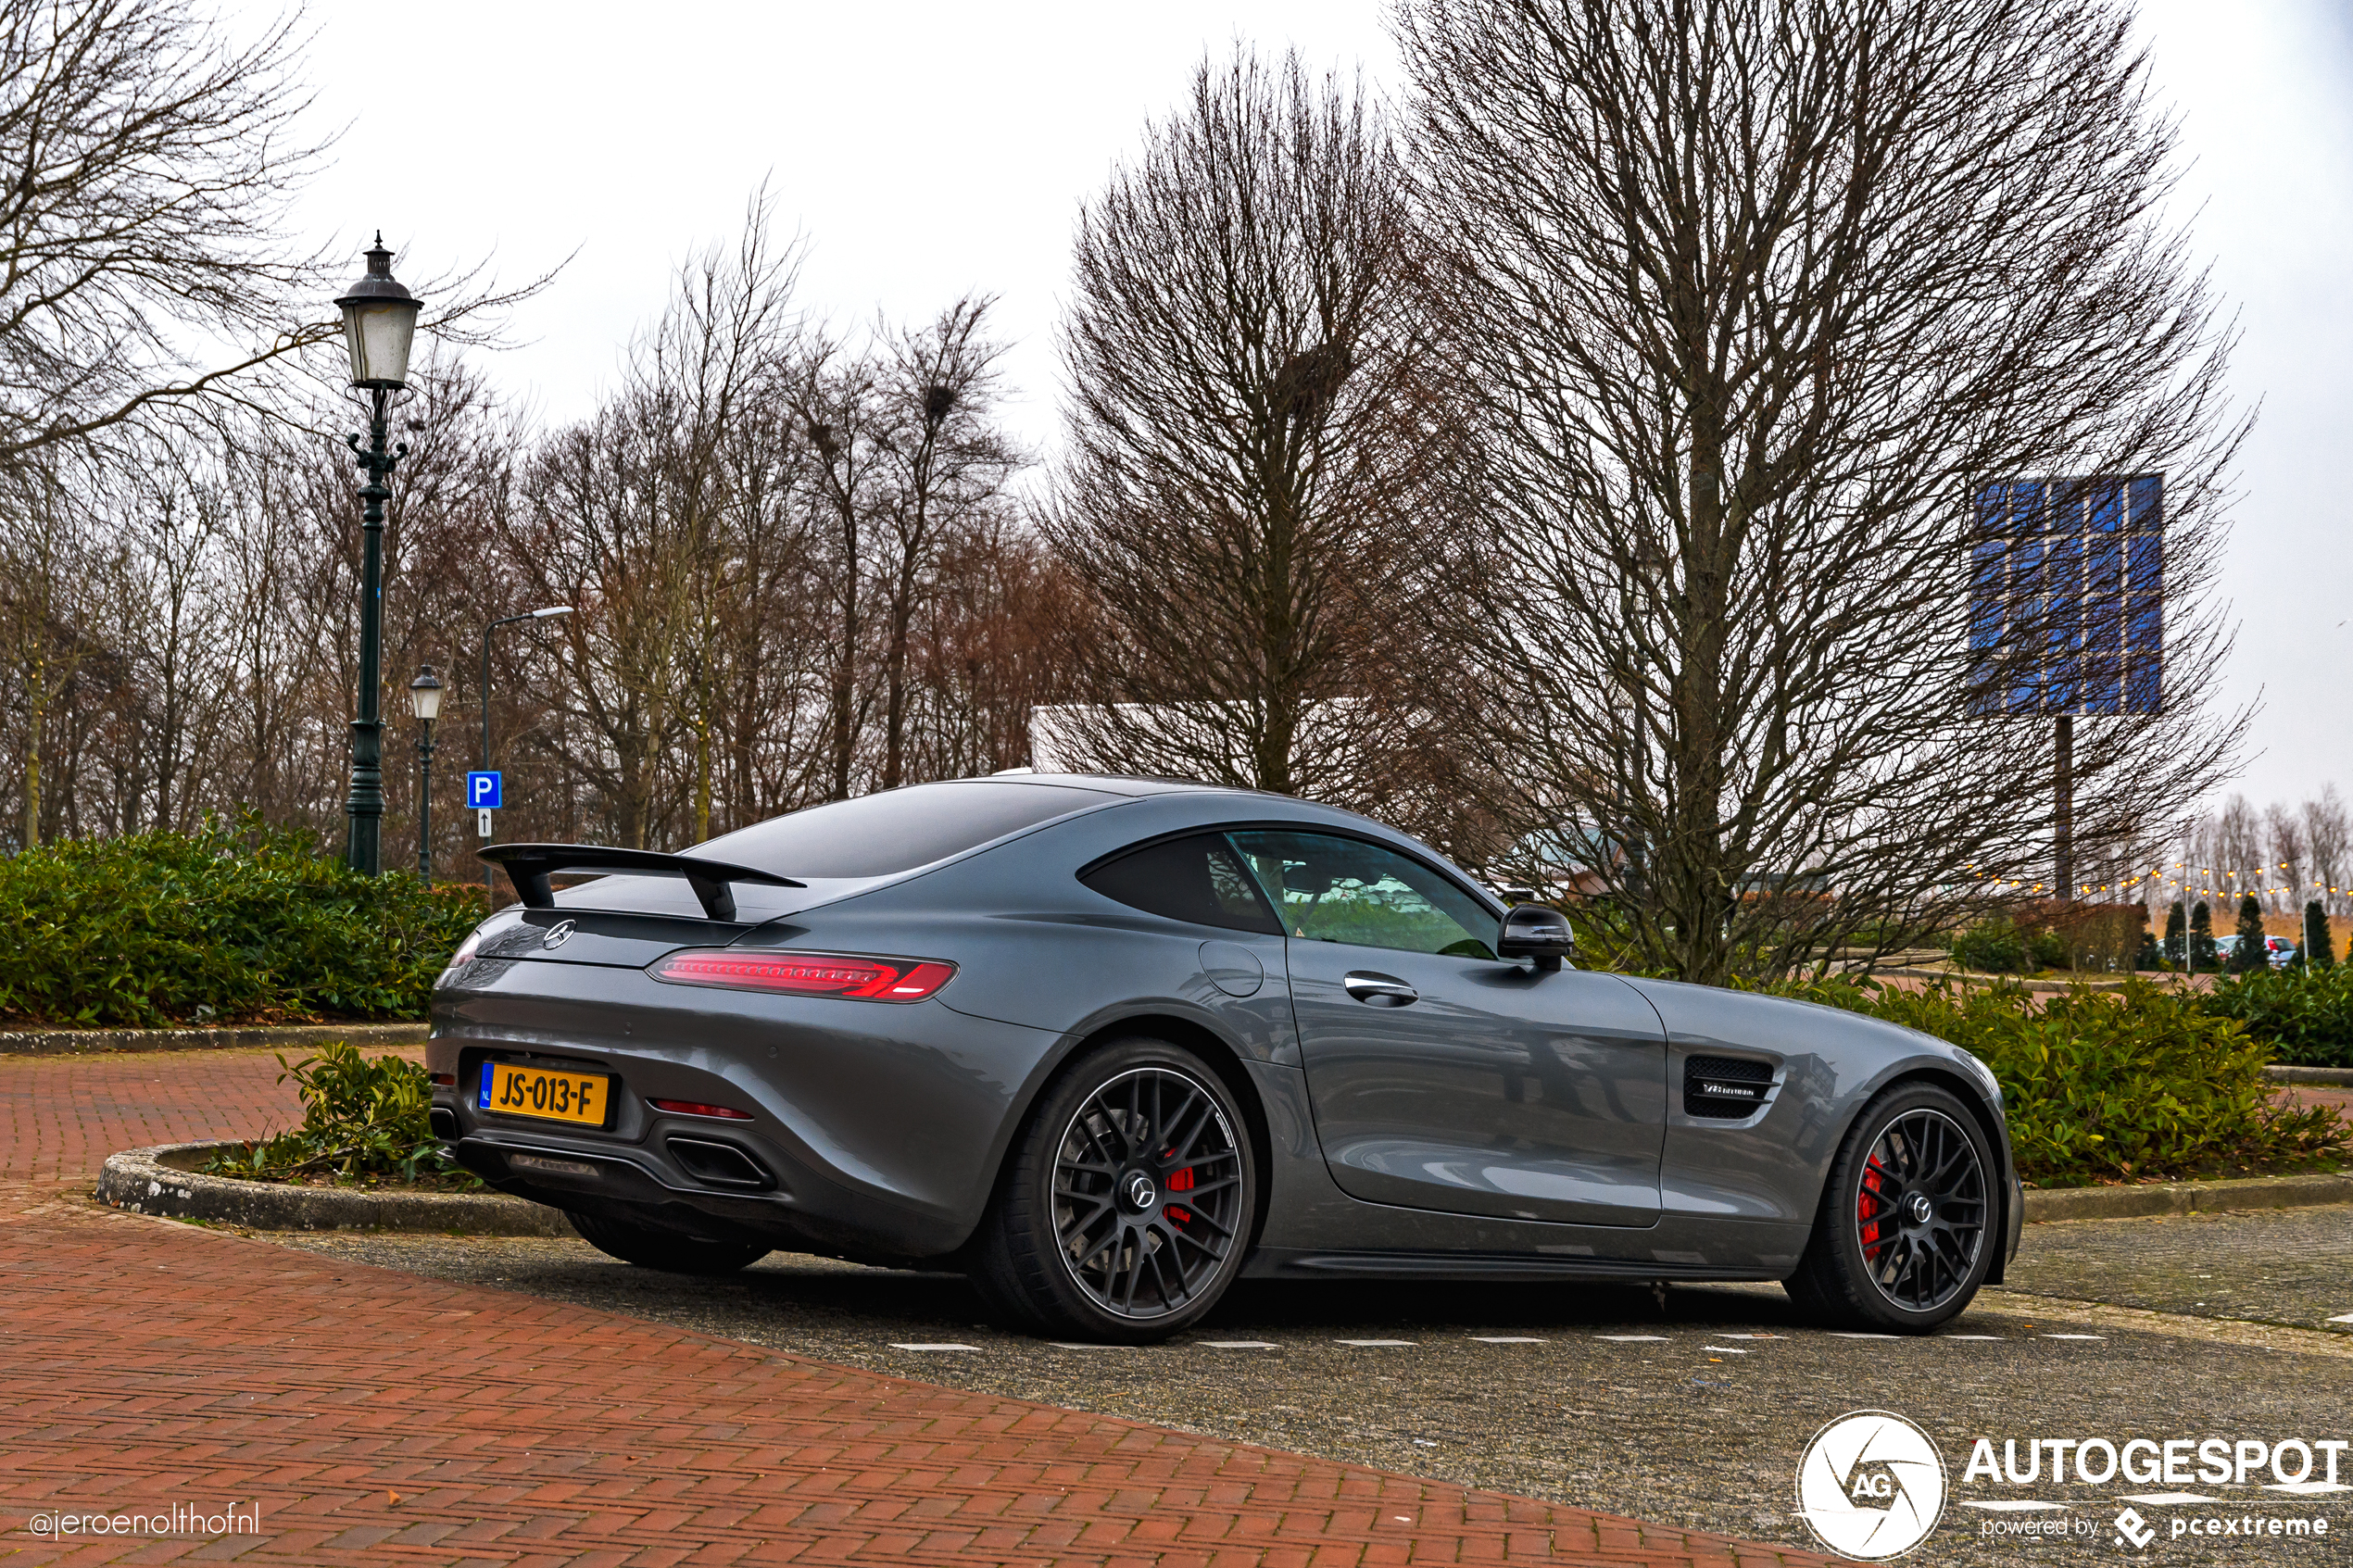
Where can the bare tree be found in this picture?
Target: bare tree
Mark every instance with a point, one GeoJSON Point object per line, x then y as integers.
{"type": "Point", "coordinates": [946, 463]}
{"type": "Point", "coordinates": [2283, 871]}
{"type": "Point", "coordinates": [1747, 303]}
{"type": "Point", "coordinates": [1240, 498]}
{"type": "Point", "coordinates": [2329, 838]}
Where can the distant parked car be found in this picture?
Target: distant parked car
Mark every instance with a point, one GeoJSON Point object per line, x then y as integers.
{"type": "Point", "coordinates": [2283, 951]}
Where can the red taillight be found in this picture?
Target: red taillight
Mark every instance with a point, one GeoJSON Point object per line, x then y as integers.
{"type": "Point", "coordinates": [446, 1080]}
{"type": "Point", "coordinates": [697, 1107]}
{"type": "Point", "coordinates": [806, 975]}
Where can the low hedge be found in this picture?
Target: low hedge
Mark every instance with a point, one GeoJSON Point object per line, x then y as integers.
{"type": "Point", "coordinates": [2142, 1084]}
{"type": "Point", "coordinates": [2304, 1015]}
{"type": "Point", "coordinates": [231, 924]}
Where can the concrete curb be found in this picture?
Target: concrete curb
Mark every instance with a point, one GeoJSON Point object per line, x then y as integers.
{"type": "Point", "coordinates": [83, 1042]}
{"type": "Point", "coordinates": [161, 1180]}
{"type": "Point", "coordinates": [2185, 1197]}
{"type": "Point", "coordinates": [2340, 1076]}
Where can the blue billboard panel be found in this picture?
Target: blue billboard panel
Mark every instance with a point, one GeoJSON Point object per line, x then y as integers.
{"type": "Point", "coordinates": [2067, 595]}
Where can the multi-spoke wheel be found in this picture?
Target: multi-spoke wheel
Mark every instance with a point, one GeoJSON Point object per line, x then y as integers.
{"type": "Point", "coordinates": [1127, 1207]}
{"type": "Point", "coordinates": [1906, 1230]}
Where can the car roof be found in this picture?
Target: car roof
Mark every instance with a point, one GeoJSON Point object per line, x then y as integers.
{"type": "Point", "coordinates": [1118, 783]}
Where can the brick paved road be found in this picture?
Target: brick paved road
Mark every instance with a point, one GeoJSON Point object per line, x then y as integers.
{"type": "Point", "coordinates": [375, 1417]}
{"type": "Point", "coordinates": [61, 1116]}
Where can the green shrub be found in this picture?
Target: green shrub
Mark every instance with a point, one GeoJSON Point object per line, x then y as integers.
{"type": "Point", "coordinates": [2305, 1016]}
{"type": "Point", "coordinates": [363, 1122]}
{"type": "Point", "coordinates": [1999, 947]}
{"type": "Point", "coordinates": [2133, 1084]}
{"type": "Point", "coordinates": [242, 924]}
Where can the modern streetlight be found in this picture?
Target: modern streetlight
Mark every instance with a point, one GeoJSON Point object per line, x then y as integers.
{"type": "Point", "coordinates": [424, 701]}
{"type": "Point", "coordinates": [379, 320]}
{"type": "Point", "coordinates": [490, 872]}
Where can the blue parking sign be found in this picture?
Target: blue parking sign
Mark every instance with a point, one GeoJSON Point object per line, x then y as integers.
{"type": "Point", "coordinates": [482, 790]}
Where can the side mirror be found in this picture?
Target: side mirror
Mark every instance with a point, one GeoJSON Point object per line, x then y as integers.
{"type": "Point", "coordinates": [1534, 931]}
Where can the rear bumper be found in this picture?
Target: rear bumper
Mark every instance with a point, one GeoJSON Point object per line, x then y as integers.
{"type": "Point", "coordinates": [873, 1129]}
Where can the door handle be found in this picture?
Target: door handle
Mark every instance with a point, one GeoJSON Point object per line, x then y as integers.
{"type": "Point", "coordinates": [1379, 990]}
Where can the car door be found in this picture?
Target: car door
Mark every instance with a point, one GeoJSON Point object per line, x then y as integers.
{"type": "Point", "coordinates": [1443, 1077]}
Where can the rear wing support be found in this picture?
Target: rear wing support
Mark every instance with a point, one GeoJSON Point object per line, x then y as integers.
{"type": "Point", "coordinates": [530, 866]}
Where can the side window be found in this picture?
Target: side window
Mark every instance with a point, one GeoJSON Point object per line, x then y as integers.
{"type": "Point", "coordinates": [1333, 889]}
{"type": "Point", "coordinates": [1198, 879]}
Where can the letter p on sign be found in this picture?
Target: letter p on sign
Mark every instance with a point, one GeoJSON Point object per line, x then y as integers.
{"type": "Point", "coordinates": [482, 790]}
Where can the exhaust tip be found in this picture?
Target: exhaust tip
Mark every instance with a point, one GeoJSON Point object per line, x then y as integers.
{"type": "Point", "coordinates": [716, 1164]}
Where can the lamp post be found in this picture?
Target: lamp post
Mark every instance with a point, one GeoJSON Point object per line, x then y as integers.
{"type": "Point", "coordinates": [424, 701]}
{"type": "Point", "coordinates": [379, 320]}
{"type": "Point", "coordinates": [490, 872]}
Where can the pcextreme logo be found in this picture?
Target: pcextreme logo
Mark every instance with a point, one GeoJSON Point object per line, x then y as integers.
{"type": "Point", "coordinates": [1870, 1485]}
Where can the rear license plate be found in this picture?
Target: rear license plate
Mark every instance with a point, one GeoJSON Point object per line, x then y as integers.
{"type": "Point", "coordinates": [510, 1090]}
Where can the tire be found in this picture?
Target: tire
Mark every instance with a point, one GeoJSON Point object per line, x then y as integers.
{"type": "Point", "coordinates": [1095, 1255]}
{"type": "Point", "coordinates": [1907, 1228]}
{"type": "Point", "coordinates": [652, 1247]}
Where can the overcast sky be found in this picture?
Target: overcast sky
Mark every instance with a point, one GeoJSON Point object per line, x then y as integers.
{"type": "Point", "coordinates": [925, 150]}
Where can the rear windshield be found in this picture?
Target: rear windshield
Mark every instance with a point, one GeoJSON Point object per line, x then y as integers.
{"type": "Point", "coordinates": [898, 829]}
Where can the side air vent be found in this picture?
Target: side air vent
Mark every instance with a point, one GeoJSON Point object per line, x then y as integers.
{"type": "Point", "coordinates": [1724, 1087]}
{"type": "Point", "coordinates": [720, 1164]}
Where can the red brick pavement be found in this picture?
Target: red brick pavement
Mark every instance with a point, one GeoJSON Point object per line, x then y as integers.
{"type": "Point", "coordinates": [373, 1417]}
{"type": "Point", "coordinates": [61, 1116]}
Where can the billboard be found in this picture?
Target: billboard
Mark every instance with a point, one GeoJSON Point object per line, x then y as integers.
{"type": "Point", "coordinates": [2067, 595]}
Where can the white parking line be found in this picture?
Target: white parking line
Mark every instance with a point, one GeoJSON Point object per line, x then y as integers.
{"type": "Point", "coordinates": [2305, 1488]}
{"type": "Point", "coordinates": [1752, 1336]}
{"type": "Point", "coordinates": [896, 1346]}
{"type": "Point", "coordinates": [1376, 1343]}
{"type": "Point", "coordinates": [1973, 1337]}
{"type": "Point", "coordinates": [1633, 1338]}
{"type": "Point", "coordinates": [1856, 1334]}
{"type": "Point", "coordinates": [1727, 1350]}
{"type": "Point", "coordinates": [1080, 1345]}
{"type": "Point", "coordinates": [1237, 1344]}
{"type": "Point", "coordinates": [1505, 1339]}
{"type": "Point", "coordinates": [2073, 1337]}
{"type": "Point", "coordinates": [2345, 1317]}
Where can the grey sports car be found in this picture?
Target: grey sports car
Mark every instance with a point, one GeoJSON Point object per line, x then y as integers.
{"type": "Point", "coordinates": [1107, 1044]}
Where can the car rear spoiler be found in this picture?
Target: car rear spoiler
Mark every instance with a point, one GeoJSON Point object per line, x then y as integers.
{"type": "Point", "coordinates": [530, 865]}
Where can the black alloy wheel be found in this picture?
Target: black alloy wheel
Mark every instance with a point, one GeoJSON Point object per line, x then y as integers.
{"type": "Point", "coordinates": [1907, 1229]}
{"type": "Point", "coordinates": [1127, 1207]}
{"type": "Point", "coordinates": [1921, 1210]}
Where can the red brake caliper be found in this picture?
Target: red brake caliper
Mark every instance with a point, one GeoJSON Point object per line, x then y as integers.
{"type": "Point", "coordinates": [1179, 1181]}
{"type": "Point", "coordinates": [1867, 1207]}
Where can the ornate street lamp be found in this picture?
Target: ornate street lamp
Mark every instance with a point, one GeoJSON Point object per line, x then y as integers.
{"type": "Point", "coordinates": [424, 701]}
{"type": "Point", "coordinates": [379, 320]}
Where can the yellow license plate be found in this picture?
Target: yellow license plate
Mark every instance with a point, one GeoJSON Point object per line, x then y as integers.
{"type": "Point", "coordinates": [509, 1090]}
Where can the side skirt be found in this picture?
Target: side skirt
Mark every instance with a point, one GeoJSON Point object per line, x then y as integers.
{"type": "Point", "coordinates": [1294, 1264]}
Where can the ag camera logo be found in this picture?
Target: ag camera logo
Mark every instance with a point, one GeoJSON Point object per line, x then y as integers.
{"type": "Point", "coordinates": [1870, 1485]}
